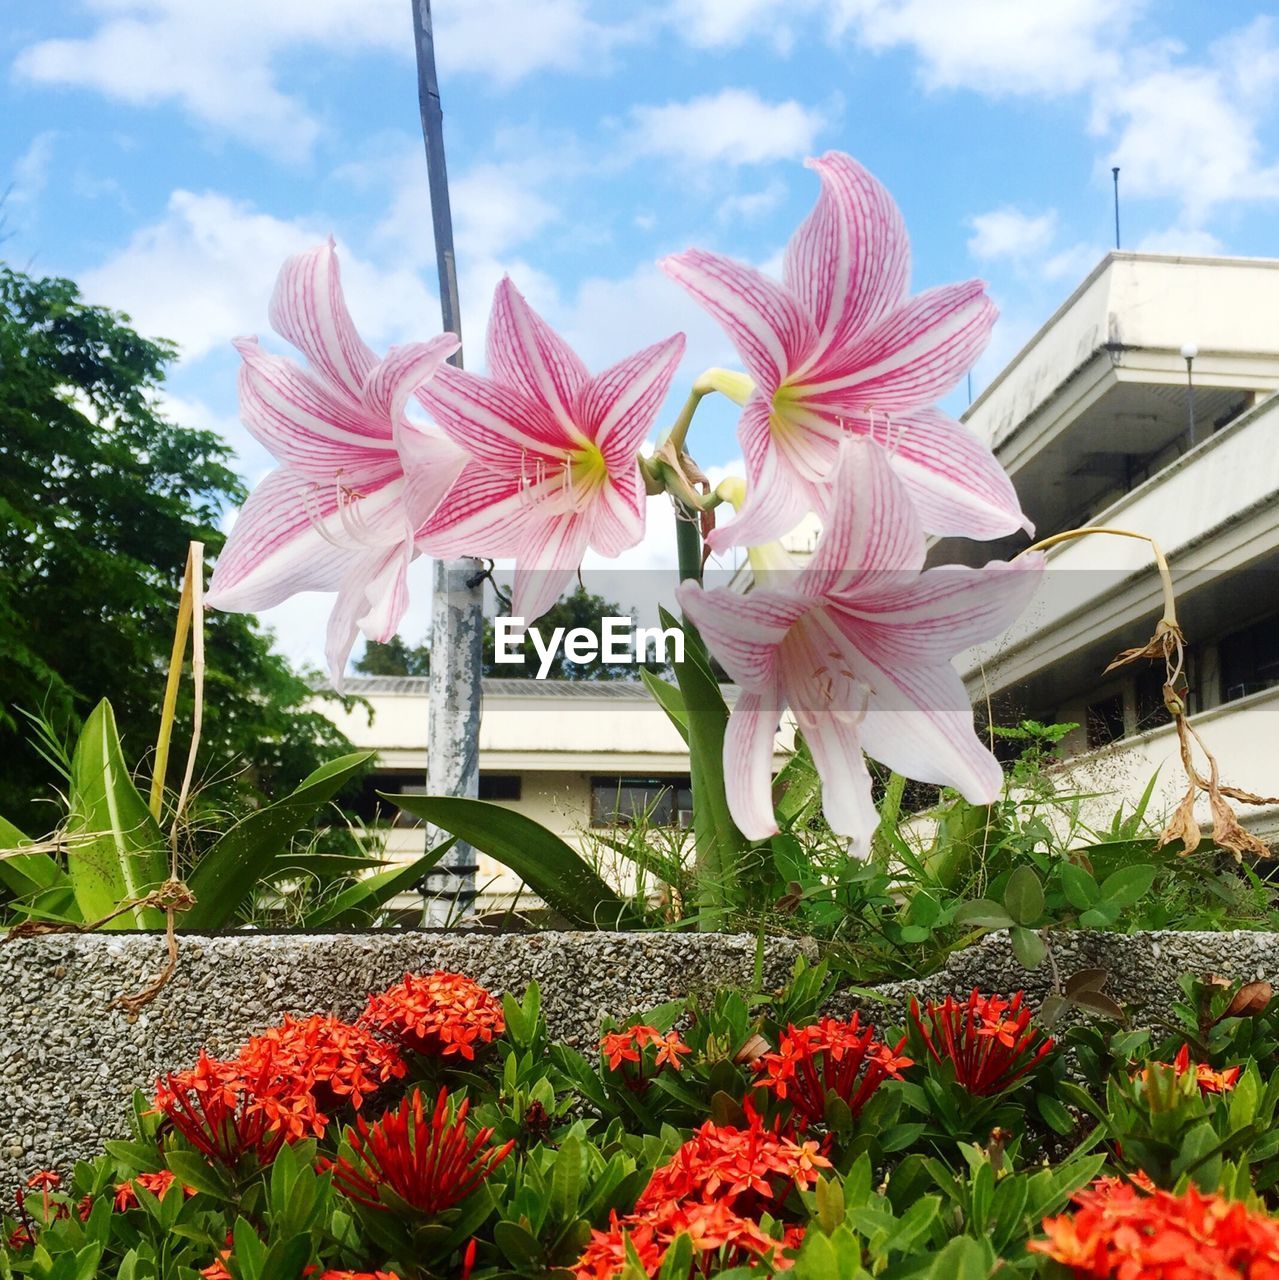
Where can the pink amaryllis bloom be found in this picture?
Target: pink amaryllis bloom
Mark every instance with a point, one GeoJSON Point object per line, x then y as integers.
{"type": "Point", "coordinates": [840, 349]}
{"type": "Point", "coordinates": [554, 452]}
{"type": "Point", "coordinates": [356, 478]}
{"type": "Point", "coordinates": [859, 645]}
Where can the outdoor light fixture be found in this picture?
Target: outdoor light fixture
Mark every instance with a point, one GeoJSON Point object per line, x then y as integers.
{"type": "Point", "coordinates": [1188, 353]}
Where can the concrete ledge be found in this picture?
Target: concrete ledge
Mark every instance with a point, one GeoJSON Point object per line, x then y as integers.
{"type": "Point", "coordinates": [69, 1063]}
{"type": "Point", "coordinates": [1143, 967]}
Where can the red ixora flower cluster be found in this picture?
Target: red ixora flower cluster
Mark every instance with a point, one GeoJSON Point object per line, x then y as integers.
{"type": "Point", "coordinates": [1207, 1078]}
{"type": "Point", "coordinates": [1120, 1232]}
{"type": "Point", "coordinates": [989, 1040]}
{"type": "Point", "coordinates": [426, 1159]}
{"type": "Point", "coordinates": [437, 1014]}
{"type": "Point", "coordinates": [714, 1189]}
{"type": "Point", "coordinates": [227, 1114]}
{"type": "Point", "coordinates": [283, 1085]}
{"type": "Point", "coordinates": [158, 1184]}
{"type": "Point", "coordinates": [829, 1056]}
{"type": "Point", "coordinates": [624, 1052]}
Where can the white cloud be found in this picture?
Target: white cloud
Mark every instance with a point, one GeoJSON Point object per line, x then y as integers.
{"type": "Point", "coordinates": [734, 126]}
{"type": "Point", "coordinates": [996, 47]}
{"type": "Point", "coordinates": [506, 40]}
{"type": "Point", "coordinates": [1009, 233]}
{"type": "Point", "coordinates": [747, 206]}
{"type": "Point", "coordinates": [31, 169]}
{"type": "Point", "coordinates": [203, 273]}
{"type": "Point", "coordinates": [1193, 241]}
{"type": "Point", "coordinates": [217, 61]}
{"type": "Point", "coordinates": [1192, 132]}
{"type": "Point", "coordinates": [720, 24]}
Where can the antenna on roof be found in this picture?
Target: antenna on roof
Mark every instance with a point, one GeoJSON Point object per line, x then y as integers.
{"type": "Point", "coordinates": [1115, 174]}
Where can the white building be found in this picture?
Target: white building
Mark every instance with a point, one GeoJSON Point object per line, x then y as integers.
{"type": "Point", "coordinates": [582, 758]}
{"type": "Point", "coordinates": [1093, 421]}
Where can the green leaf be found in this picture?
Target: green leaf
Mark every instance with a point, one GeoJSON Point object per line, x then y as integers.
{"type": "Point", "coordinates": [26, 875]}
{"type": "Point", "coordinates": [1127, 886]}
{"type": "Point", "coordinates": [670, 698]}
{"type": "Point", "coordinates": [197, 1173]}
{"type": "Point", "coordinates": [1058, 1119]}
{"type": "Point", "coordinates": [1079, 887]}
{"type": "Point", "coordinates": [717, 841]}
{"type": "Point", "coordinates": [557, 873]}
{"type": "Point", "coordinates": [1100, 917]}
{"type": "Point", "coordinates": [985, 914]}
{"type": "Point", "coordinates": [1024, 896]}
{"type": "Point", "coordinates": [358, 903]}
{"type": "Point", "coordinates": [115, 850]}
{"type": "Point", "coordinates": [1028, 947]}
{"type": "Point", "coordinates": [250, 852]}
{"type": "Point", "coordinates": [962, 1259]}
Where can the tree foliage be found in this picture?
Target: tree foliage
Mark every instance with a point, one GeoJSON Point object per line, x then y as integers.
{"type": "Point", "coordinates": [100, 494]}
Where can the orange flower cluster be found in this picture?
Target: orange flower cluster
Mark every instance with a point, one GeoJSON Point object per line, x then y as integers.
{"type": "Point", "coordinates": [282, 1086]}
{"type": "Point", "coordinates": [330, 1059]}
{"type": "Point", "coordinates": [437, 1014]}
{"type": "Point", "coordinates": [126, 1194]}
{"type": "Point", "coordinates": [358, 1275]}
{"type": "Point", "coordinates": [829, 1056]}
{"type": "Point", "coordinates": [714, 1189]}
{"type": "Point", "coordinates": [624, 1051]}
{"type": "Point", "coordinates": [428, 1161]}
{"type": "Point", "coordinates": [988, 1039]}
{"type": "Point", "coordinates": [1208, 1079]}
{"type": "Point", "coordinates": [1121, 1233]}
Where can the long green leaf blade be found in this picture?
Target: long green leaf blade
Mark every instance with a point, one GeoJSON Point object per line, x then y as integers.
{"type": "Point", "coordinates": [115, 850]}
{"type": "Point", "coordinates": [27, 874]}
{"type": "Point", "coordinates": [362, 900]}
{"type": "Point", "coordinates": [248, 854]}
{"type": "Point", "coordinates": [718, 842]}
{"type": "Point", "coordinates": [557, 873]}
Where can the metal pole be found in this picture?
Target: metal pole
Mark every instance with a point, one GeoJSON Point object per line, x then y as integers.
{"type": "Point", "coordinates": [1115, 174]}
{"type": "Point", "coordinates": [457, 610]}
{"type": "Point", "coordinates": [1190, 397]}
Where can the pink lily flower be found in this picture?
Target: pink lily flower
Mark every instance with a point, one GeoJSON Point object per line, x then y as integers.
{"type": "Point", "coordinates": [554, 452]}
{"type": "Point", "coordinates": [839, 349]}
{"type": "Point", "coordinates": [859, 645]}
{"type": "Point", "coordinates": [356, 479]}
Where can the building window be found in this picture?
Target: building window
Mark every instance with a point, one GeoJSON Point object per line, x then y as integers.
{"type": "Point", "coordinates": [658, 802]}
{"type": "Point", "coordinates": [1250, 659]}
{"type": "Point", "coordinates": [500, 786]}
{"type": "Point", "coordinates": [1104, 721]}
{"type": "Point", "coordinates": [1149, 691]}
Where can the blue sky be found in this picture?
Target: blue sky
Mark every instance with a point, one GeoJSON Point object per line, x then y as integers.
{"type": "Point", "coordinates": [168, 154]}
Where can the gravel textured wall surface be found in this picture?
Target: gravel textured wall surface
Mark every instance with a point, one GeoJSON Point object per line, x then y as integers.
{"type": "Point", "coordinates": [69, 1062]}
{"type": "Point", "coordinates": [1143, 967]}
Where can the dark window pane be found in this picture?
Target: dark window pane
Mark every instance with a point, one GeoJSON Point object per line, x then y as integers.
{"type": "Point", "coordinates": [500, 786]}
{"type": "Point", "coordinates": [1151, 712]}
{"type": "Point", "coordinates": [1105, 721]}
{"type": "Point", "coordinates": [1250, 659]}
{"type": "Point", "coordinates": [623, 801]}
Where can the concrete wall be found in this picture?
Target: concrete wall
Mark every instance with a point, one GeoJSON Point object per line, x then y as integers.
{"type": "Point", "coordinates": [69, 1063]}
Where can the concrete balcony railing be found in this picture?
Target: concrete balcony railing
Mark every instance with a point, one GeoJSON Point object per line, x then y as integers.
{"type": "Point", "coordinates": [1214, 512]}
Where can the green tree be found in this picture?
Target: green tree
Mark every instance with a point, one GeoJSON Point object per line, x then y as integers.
{"type": "Point", "coordinates": [99, 495]}
{"type": "Point", "coordinates": [394, 658]}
